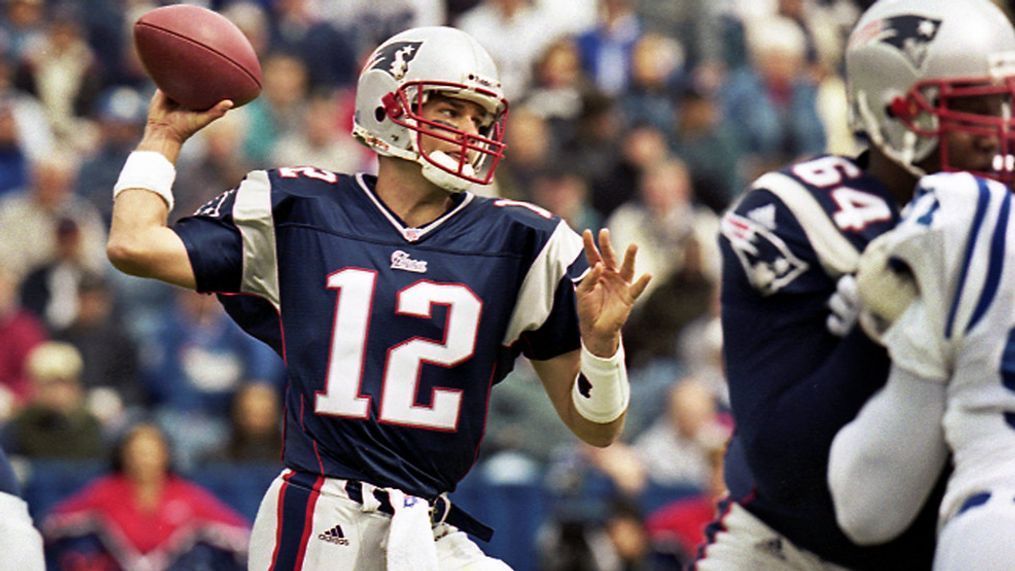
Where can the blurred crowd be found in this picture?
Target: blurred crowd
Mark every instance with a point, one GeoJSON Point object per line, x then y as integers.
{"type": "Point", "coordinates": [644, 116]}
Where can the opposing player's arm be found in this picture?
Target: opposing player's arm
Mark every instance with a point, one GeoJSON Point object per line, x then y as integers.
{"type": "Point", "coordinates": [589, 387]}
{"type": "Point", "coordinates": [883, 465]}
{"type": "Point", "coordinates": [140, 243]}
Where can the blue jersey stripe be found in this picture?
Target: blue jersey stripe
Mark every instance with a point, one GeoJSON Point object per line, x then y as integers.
{"type": "Point", "coordinates": [997, 248]}
{"type": "Point", "coordinates": [981, 210]}
{"type": "Point", "coordinates": [928, 217]}
{"type": "Point", "coordinates": [297, 500]}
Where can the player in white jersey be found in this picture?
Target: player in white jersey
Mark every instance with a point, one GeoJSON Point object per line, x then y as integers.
{"type": "Point", "coordinates": [20, 542]}
{"type": "Point", "coordinates": [942, 285]}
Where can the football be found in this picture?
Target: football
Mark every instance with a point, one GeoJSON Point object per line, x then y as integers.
{"type": "Point", "coordinates": [197, 57]}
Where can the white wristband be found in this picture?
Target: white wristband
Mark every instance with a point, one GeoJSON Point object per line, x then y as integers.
{"type": "Point", "coordinates": [148, 170]}
{"type": "Point", "coordinates": [601, 392]}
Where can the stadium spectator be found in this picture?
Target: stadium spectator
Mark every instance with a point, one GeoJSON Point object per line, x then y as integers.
{"type": "Point", "coordinates": [25, 134]}
{"type": "Point", "coordinates": [565, 193]}
{"type": "Point", "coordinates": [20, 332]}
{"type": "Point", "coordinates": [120, 119]}
{"type": "Point", "coordinates": [675, 448]}
{"type": "Point", "coordinates": [515, 33]}
{"type": "Point", "coordinates": [191, 367]}
{"type": "Point", "coordinates": [557, 88]}
{"type": "Point", "coordinates": [54, 423]}
{"type": "Point", "coordinates": [143, 515]}
{"type": "Point", "coordinates": [255, 431]}
{"type": "Point", "coordinates": [320, 140]}
{"type": "Point", "coordinates": [253, 20]}
{"type": "Point", "coordinates": [616, 182]}
{"type": "Point", "coordinates": [279, 107]}
{"type": "Point", "coordinates": [221, 162]}
{"type": "Point", "coordinates": [23, 26]}
{"type": "Point", "coordinates": [607, 48]}
{"type": "Point", "coordinates": [532, 151]}
{"type": "Point", "coordinates": [329, 55]}
{"type": "Point", "coordinates": [710, 147]}
{"type": "Point", "coordinates": [29, 219]}
{"type": "Point", "coordinates": [699, 349]}
{"type": "Point", "coordinates": [664, 220]}
{"type": "Point", "coordinates": [592, 150]}
{"type": "Point", "coordinates": [772, 104]}
{"type": "Point", "coordinates": [110, 373]}
{"type": "Point", "coordinates": [372, 22]}
{"type": "Point", "coordinates": [50, 291]}
{"type": "Point", "coordinates": [697, 25]}
{"type": "Point", "coordinates": [63, 73]}
{"type": "Point", "coordinates": [678, 528]}
{"type": "Point", "coordinates": [650, 99]}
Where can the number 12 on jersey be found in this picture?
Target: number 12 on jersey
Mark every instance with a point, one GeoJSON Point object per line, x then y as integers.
{"type": "Point", "coordinates": [341, 396]}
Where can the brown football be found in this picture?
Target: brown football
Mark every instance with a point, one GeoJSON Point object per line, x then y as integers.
{"type": "Point", "coordinates": [197, 57]}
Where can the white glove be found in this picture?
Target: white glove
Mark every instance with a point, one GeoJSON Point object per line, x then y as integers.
{"type": "Point", "coordinates": [885, 291]}
{"type": "Point", "coordinates": [844, 305]}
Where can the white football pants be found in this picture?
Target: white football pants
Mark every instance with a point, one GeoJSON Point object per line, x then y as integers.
{"type": "Point", "coordinates": [337, 533]}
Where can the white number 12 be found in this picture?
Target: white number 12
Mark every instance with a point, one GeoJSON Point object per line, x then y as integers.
{"type": "Point", "coordinates": [341, 396]}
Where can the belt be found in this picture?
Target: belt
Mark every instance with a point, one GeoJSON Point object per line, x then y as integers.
{"type": "Point", "coordinates": [441, 511]}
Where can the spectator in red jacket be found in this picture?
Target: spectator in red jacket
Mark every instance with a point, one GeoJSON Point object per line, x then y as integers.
{"type": "Point", "coordinates": [20, 332]}
{"type": "Point", "coordinates": [144, 516]}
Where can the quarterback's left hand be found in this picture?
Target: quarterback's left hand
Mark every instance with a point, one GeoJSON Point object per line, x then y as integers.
{"type": "Point", "coordinates": [606, 294]}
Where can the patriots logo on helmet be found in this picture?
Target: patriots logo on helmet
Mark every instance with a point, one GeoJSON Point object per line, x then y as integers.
{"type": "Point", "coordinates": [394, 58]}
{"type": "Point", "coordinates": [910, 34]}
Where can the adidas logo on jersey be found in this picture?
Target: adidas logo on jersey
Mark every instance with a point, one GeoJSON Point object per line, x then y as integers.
{"type": "Point", "coordinates": [401, 261]}
{"type": "Point", "coordinates": [334, 535]}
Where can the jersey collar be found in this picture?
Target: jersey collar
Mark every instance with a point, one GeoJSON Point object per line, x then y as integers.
{"type": "Point", "coordinates": [410, 234]}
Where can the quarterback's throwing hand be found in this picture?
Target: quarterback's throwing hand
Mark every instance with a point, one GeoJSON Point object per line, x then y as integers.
{"type": "Point", "coordinates": [607, 293]}
{"type": "Point", "coordinates": [168, 120]}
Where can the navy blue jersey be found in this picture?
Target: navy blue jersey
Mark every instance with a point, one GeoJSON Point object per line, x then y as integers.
{"type": "Point", "coordinates": [393, 336]}
{"type": "Point", "coordinates": [793, 384]}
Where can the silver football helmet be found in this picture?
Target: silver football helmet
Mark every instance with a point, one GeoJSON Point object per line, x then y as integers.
{"type": "Point", "coordinates": [399, 77]}
{"type": "Point", "coordinates": [909, 61]}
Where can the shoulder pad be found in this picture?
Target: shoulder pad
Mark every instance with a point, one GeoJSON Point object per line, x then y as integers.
{"type": "Point", "coordinates": [837, 255]}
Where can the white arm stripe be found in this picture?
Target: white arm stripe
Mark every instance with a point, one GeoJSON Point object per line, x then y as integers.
{"type": "Point", "coordinates": [535, 299]}
{"type": "Point", "coordinates": [253, 217]}
{"type": "Point", "coordinates": [836, 254]}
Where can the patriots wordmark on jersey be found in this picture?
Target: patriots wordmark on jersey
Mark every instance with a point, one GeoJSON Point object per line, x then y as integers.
{"type": "Point", "coordinates": [393, 336]}
{"type": "Point", "coordinates": [793, 384]}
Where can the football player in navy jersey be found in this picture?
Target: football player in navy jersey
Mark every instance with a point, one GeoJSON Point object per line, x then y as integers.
{"type": "Point", "coordinates": [790, 245]}
{"type": "Point", "coordinates": [397, 301]}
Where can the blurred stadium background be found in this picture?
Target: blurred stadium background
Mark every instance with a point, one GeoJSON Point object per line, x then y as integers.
{"type": "Point", "coordinates": [644, 116]}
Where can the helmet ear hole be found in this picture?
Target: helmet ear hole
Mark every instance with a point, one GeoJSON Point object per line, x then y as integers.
{"type": "Point", "coordinates": [380, 114]}
{"type": "Point", "coordinates": [899, 109]}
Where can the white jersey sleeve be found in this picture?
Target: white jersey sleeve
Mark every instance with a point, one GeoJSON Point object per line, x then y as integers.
{"type": "Point", "coordinates": [20, 542]}
{"type": "Point", "coordinates": [882, 465]}
{"type": "Point", "coordinates": [946, 239]}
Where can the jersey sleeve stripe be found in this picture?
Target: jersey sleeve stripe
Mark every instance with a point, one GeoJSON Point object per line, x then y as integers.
{"type": "Point", "coordinates": [982, 201]}
{"type": "Point", "coordinates": [252, 215]}
{"type": "Point", "coordinates": [535, 299]}
{"type": "Point", "coordinates": [997, 254]}
{"type": "Point", "coordinates": [837, 255]}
